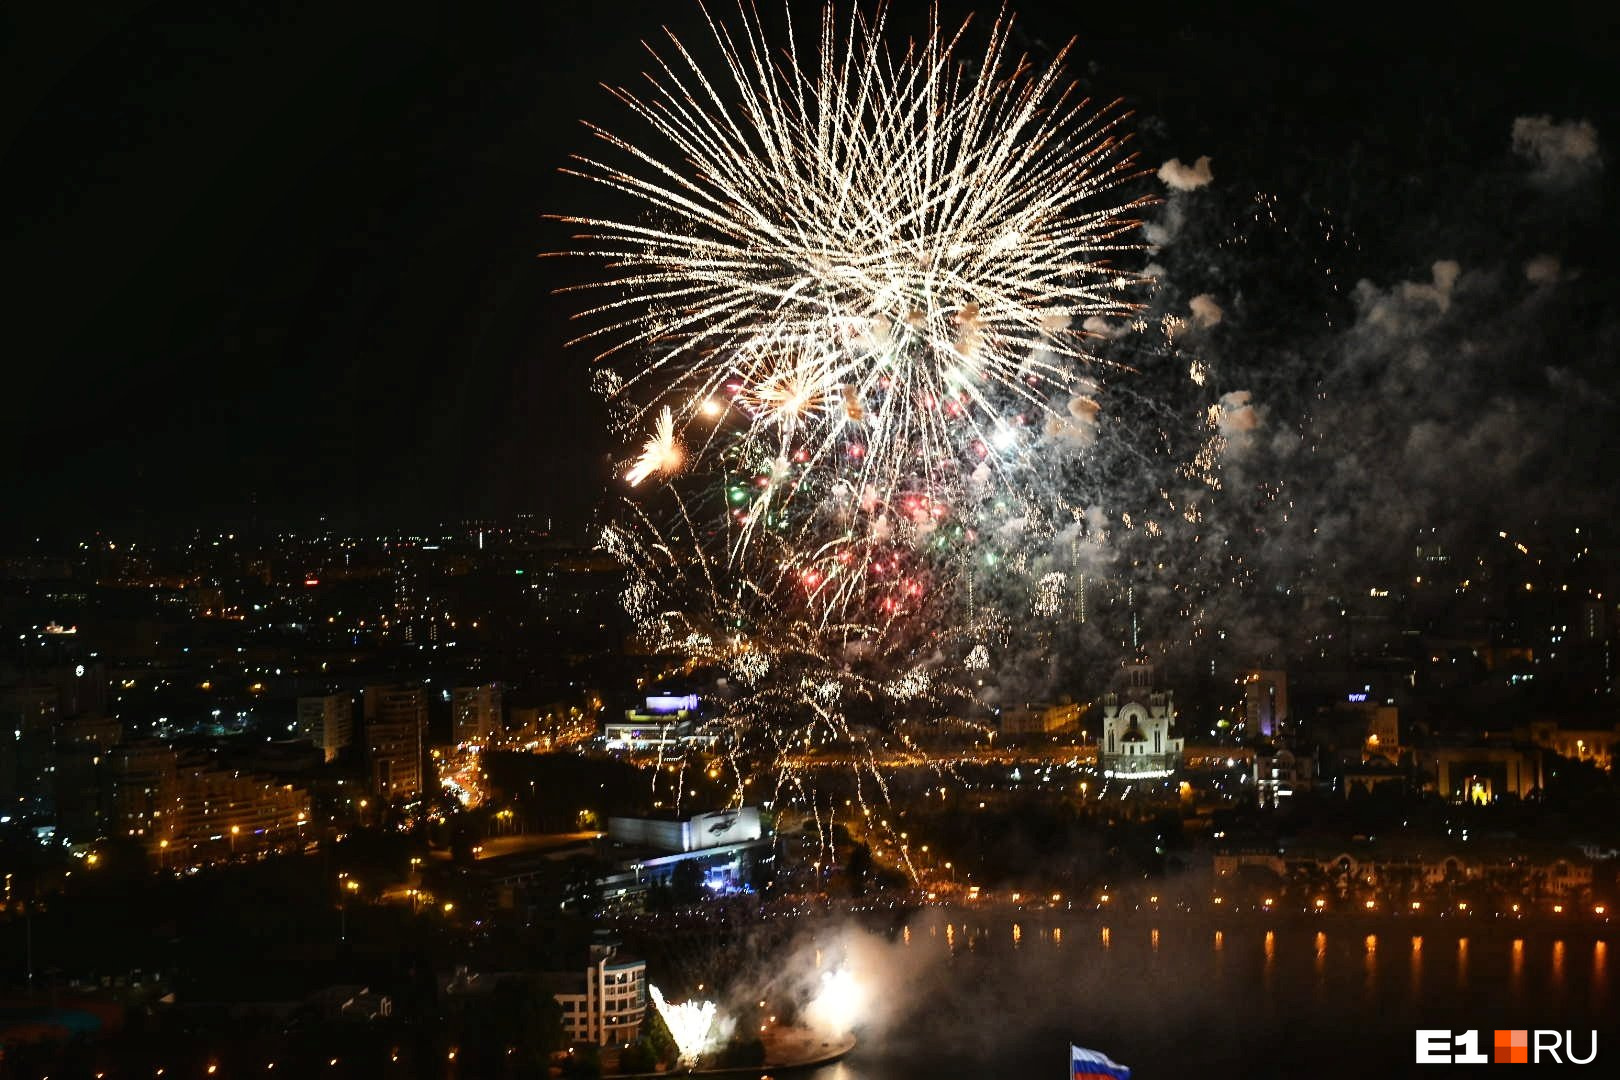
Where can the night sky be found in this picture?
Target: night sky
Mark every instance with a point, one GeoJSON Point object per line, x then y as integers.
{"type": "Point", "coordinates": [282, 258]}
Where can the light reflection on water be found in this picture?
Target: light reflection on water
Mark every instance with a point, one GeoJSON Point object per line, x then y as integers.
{"type": "Point", "coordinates": [997, 998]}
{"type": "Point", "coordinates": [1417, 966]}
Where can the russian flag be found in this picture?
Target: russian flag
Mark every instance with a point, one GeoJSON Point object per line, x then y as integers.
{"type": "Point", "coordinates": [1090, 1065]}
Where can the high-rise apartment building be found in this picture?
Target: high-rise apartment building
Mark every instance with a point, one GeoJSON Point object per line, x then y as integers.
{"type": "Point", "coordinates": [396, 722]}
{"type": "Point", "coordinates": [328, 722]}
{"type": "Point", "coordinates": [185, 808]}
{"type": "Point", "coordinates": [476, 714]}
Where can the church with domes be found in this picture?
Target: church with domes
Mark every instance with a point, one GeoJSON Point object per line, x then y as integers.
{"type": "Point", "coordinates": [1140, 738]}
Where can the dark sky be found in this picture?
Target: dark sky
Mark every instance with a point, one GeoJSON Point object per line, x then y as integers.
{"type": "Point", "coordinates": [287, 252]}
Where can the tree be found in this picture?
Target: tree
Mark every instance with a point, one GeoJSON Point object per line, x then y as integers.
{"type": "Point", "coordinates": [656, 1038]}
{"type": "Point", "coordinates": [857, 869]}
{"type": "Point", "coordinates": [659, 899]}
{"type": "Point", "coordinates": [637, 1058]}
{"type": "Point", "coordinates": [520, 1013]}
{"type": "Point", "coordinates": [584, 1062]}
{"type": "Point", "coordinates": [686, 883]}
{"type": "Point", "coordinates": [760, 870]}
{"type": "Point", "coordinates": [463, 836]}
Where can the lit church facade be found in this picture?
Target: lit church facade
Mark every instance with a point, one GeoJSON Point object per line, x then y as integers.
{"type": "Point", "coordinates": [1140, 739]}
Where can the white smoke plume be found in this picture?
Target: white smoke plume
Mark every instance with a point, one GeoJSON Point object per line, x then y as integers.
{"type": "Point", "coordinates": [1096, 324]}
{"type": "Point", "coordinates": [1181, 177]}
{"type": "Point", "coordinates": [1079, 426]}
{"type": "Point", "coordinates": [1205, 311]}
{"type": "Point", "coordinates": [1562, 151]}
{"type": "Point", "coordinates": [1544, 270]}
{"type": "Point", "coordinates": [1412, 305]}
{"type": "Point", "coordinates": [1238, 413]}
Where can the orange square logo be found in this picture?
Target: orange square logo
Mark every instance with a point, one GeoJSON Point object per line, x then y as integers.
{"type": "Point", "coordinates": [1512, 1048]}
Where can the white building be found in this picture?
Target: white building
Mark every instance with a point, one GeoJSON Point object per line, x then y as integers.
{"type": "Point", "coordinates": [665, 720]}
{"type": "Point", "coordinates": [643, 732]}
{"type": "Point", "coordinates": [1139, 735]}
{"type": "Point", "coordinates": [606, 1002]}
{"type": "Point", "coordinates": [1281, 774]}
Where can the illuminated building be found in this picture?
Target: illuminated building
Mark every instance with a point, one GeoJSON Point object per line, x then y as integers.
{"type": "Point", "coordinates": [1581, 744]}
{"type": "Point", "coordinates": [667, 719]}
{"type": "Point", "coordinates": [1265, 703]}
{"type": "Point", "coordinates": [81, 688]}
{"type": "Point", "coordinates": [644, 732]}
{"type": "Point", "coordinates": [723, 847]}
{"type": "Point", "coordinates": [328, 722]}
{"type": "Point", "coordinates": [221, 811]}
{"type": "Point", "coordinates": [143, 790]}
{"type": "Point", "coordinates": [396, 718]}
{"type": "Point", "coordinates": [702, 832]}
{"type": "Point", "coordinates": [28, 717]}
{"type": "Point", "coordinates": [557, 726]}
{"type": "Point", "coordinates": [1379, 728]}
{"type": "Point", "coordinates": [605, 1003]}
{"type": "Point", "coordinates": [476, 714]}
{"type": "Point", "coordinates": [1423, 863]}
{"type": "Point", "coordinates": [183, 806]}
{"type": "Point", "coordinates": [1139, 734]}
{"type": "Point", "coordinates": [1481, 774]}
{"type": "Point", "coordinates": [1038, 719]}
{"type": "Point", "coordinates": [1278, 776]}
{"type": "Point", "coordinates": [720, 844]}
{"type": "Point", "coordinates": [82, 748]}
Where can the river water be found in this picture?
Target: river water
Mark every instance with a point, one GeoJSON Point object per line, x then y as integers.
{"type": "Point", "coordinates": [1320, 998]}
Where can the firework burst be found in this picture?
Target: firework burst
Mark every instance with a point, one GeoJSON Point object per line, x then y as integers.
{"type": "Point", "coordinates": [846, 322]}
{"type": "Point", "coordinates": [857, 272]}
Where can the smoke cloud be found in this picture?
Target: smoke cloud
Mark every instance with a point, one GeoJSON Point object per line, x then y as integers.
{"type": "Point", "coordinates": [1563, 152]}
{"type": "Point", "coordinates": [1238, 415]}
{"type": "Point", "coordinates": [1101, 327]}
{"type": "Point", "coordinates": [1181, 177]}
{"type": "Point", "coordinates": [1205, 311]}
{"type": "Point", "coordinates": [1544, 270]}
